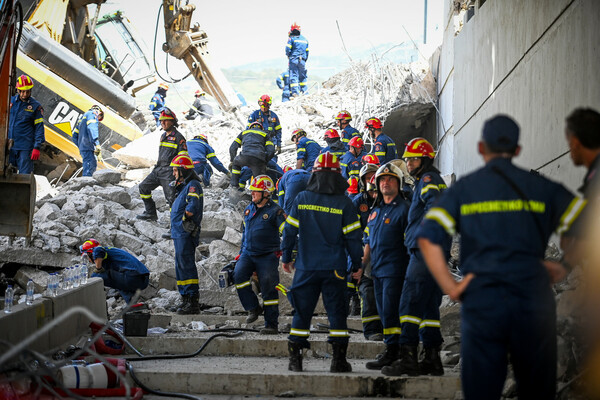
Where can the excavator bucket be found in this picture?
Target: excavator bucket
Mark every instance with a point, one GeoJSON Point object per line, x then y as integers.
{"type": "Point", "coordinates": [17, 203]}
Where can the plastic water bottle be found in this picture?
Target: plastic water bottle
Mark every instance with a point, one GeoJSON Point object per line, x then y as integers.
{"type": "Point", "coordinates": [8, 298]}
{"type": "Point", "coordinates": [55, 284]}
{"type": "Point", "coordinates": [51, 285]}
{"type": "Point", "coordinates": [30, 291]}
{"type": "Point", "coordinates": [67, 279]}
{"type": "Point", "coordinates": [83, 273]}
{"type": "Point", "coordinates": [76, 277]}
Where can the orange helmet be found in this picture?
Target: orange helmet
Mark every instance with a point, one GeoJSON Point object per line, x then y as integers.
{"type": "Point", "coordinates": [327, 162]}
{"type": "Point", "coordinates": [163, 85]}
{"type": "Point", "coordinates": [265, 99]}
{"type": "Point", "coordinates": [24, 83]}
{"type": "Point", "coordinates": [357, 142]}
{"type": "Point", "coordinates": [287, 168]}
{"type": "Point", "coordinates": [374, 123]}
{"type": "Point", "coordinates": [294, 26]}
{"type": "Point", "coordinates": [182, 161]}
{"type": "Point", "coordinates": [262, 183]}
{"type": "Point", "coordinates": [88, 246]}
{"type": "Point", "coordinates": [419, 147]}
{"type": "Point", "coordinates": [345, 115]}
{"type": "Point", "coordinates": [331, 134]}
{"type": "Point", "coordinates": [298, 132]}
{"type": "Point", "coordinates": [353, 189]}
{"type": "Point", "coordinates": [370, 159]}
{"type": "Point", "coordinates": [167, 114]}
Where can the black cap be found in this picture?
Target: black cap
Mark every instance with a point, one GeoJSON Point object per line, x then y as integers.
{"type": "Point", "coordinates": [501, 134]}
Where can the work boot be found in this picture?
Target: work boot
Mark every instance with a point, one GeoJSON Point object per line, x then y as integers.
{"type": "Point", "coordinates": [376, 337]}
{"type": "Point", "coordinates": [269, 330]}
{"type": "Point", "coordinates": [408, 363]}
{"type": "Point", "coordinates": [191, 306]}
{"type": "Point", "coordinates": [166, 235]}
{"type": "Point", "coordinates": [177, 306]}
{"type": "Point", "coordinates": [338, 362]}
{"type": "Point", "coordinates": [147, 216]}
{"type": "Point", "coordinates": [253, 315]}
{"type": "Point", "coordinates": [295, 351]}
{"type": "Point", "coordinates": [386, 358]}
{"type": "Point", "coordinates": [431, 363]}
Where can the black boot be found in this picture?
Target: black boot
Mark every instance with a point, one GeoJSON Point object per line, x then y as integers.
{"type": "Point", "coordinates": [191, 306]}
{"type": "Point", "coordinates": [408, 363]}
{"type": "Point", "coordinates": [253, 315]}
{"type": "Point", "coordinates": [176, 307]}
{"type": "Point", "coordinates": [339, 363]}
{"type": "Point", "coordinates": [431, 363]}
{"type": "Point", "coordinates": [295, 356]}
{"type": "Point", "coordinates": [167, 235]}
{"type": "Point", "coordinates": [386, 358]}
{"type": "Point", "coordinates": [149, 213]}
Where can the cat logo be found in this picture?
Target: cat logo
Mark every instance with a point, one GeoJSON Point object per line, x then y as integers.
{"type": "Point", "coordinates": [64, 118]}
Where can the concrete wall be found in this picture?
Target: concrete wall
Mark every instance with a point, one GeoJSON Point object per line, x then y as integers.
{"type": "Point", "coordinates": [535, 60]}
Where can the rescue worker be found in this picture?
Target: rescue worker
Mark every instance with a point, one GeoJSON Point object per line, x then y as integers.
{"type": "Point", "coordinates": [186, 216]}
{"type": "Point", "coordinates": [505, 216]}
{"type": "Point", "coordinates": [327, 226]}
{"type": "Point", "coordinates": [268, 120]}
{"type": "Point", "coordinates": [297, 52]}
{"type": "Point", "coordinates": [347, 132]}
{"type": "Point", "coordinates": [421, 296]}
{"type": "Point", "coordinates": [201, 153]}
{"type": "Point", "coordinates": [384, 248]}
{"type": "Point", "coordinates": [385, 148]}
{"type": "Point", "coordinates": [85, 136]}
{"type": "Point", "coordinates": [172, 143]}
{"type": "Point", "coordinates": [334, 144]}
{"type": "Point", "coordinates": [199, 109]}
{"type": "Point", "coordinates": [283, 83]}
{"type": "Point", "coordinates": [117, 268]}
{"type": "Point", "coordinates": [257, 150]}
{"type": "Point", "coordinates": [583, 136]}
{"type": "Point", "coordinates": [263, 223]}
{"type": "Point", "coordinates": [25, 127]}
{"type": "Point", "coordinates": [307, 150]}
{"type": "Point", "coordinates": [351, 162]}
{"type": "Point", "coordinates": [157, 104]}
{"type": "Point", "coordinates": [292, 182]}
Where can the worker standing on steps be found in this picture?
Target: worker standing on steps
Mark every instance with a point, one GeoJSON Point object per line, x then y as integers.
{"type": "Point", "coordinates": [421, 296]}
{"type": "Point", "coordinates": [263, 223]}
{"type": "Point", "coordinates": [268, 120]}
{"type": "Point", "coordinates": [257, 150]}
{"type": "Point", "coordinates": [157, 104]}
{"type": "Point", "coordinates": [307, 150]}
{"type": "Point", "coordinates": [283, 83]}
{"type": "Point", "coordinates": [297, 52]}
{"type": "Point", "coordinates": [326, 225]}
{"type": "Point", "coordinates": [385, 148]}
{"type": "Point", "coordinates": [347, 132]}
{"type": "Point", "coordinates": [25, 127]}
{"type": "Point", "coordinates": [85, 136]}
{"type": "Point", "coordinates": [201, 154]}
{"type": "Point", "coordinates": [508, 306]}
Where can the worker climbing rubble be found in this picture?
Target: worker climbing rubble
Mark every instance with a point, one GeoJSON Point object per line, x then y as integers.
{"type": "Point", "coordinates": [348, 132]}
{"type": "Point", "coordinates": [85, 136]}
{"type": "Point", "coordinates": [268, 120]}
{"type": "Point", "coordinates": [257, 150]}
{"type": "Point", "coordinates": [201, 154]}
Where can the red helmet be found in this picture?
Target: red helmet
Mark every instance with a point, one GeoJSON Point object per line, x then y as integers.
{"type": "Point", "coordinates": [345, 115]}
{"type": "Point", "coordinates": [199, 93]}
{"type": "Point", "coordinates": [167, 114]}
{"type": "Point", "coordinates": [357, 142]}
{"type": "Point", "coordinates": [327, 162]}
{"type": "Point", "coordinates": [24, 83]}
{"type": "Point", "coordinates": [295, 26]}
{"type": "Point", "coordinates": [88, 246]}
{"type": "Point", "coordinates": [265, 99]}
{"type": "Point", "coordinates": [374, 123]}
{"type": "Point", "coordinates": [182, 161]}
{"type": "Point", "coordinates": [331, 134]}
{"type": "Point", "coordinates": [353, 189]}
{"type": "Point", "coordinates": [251, 124]}
{"type": "Point", "coordinates": [262, 183]}
{"type": "Point", "coordinates": [370, 159]}
{"type": "Point", "coordinates": [287, 168]}
{"type": "Point", "coordinates": [298, 132]}
{"type": "Point", "coordinates": [419, 147]}
{"type": "Point", "coordinates": [202, 136]}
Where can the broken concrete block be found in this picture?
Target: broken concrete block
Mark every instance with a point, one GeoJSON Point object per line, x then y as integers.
{"type": "Point", "coordinates": [123, 239]}
{"type": "Point", "coordinates": [221, 247]}
{"type": "Point", "coordinates": [137, 174]}
{"type": "Point", "coordinates": [39, 278]}
{"type": "Point", "coordinates": [232, 236]}
{"type": "Point", "coordinates": [78, 183]}
{"type": "Point", "coordinates": [214, 223]}
{"type": "Point", "coordinates": [215, 298]}
{"type": "Point", "coordinates": [100, 233]}
{"type": "Point", "coordinates": [150, 230]}
{"type": "Point", "coordinates": [71, 242]}
{"type": "Point", "coordinates": [51, 243]}
{"type": "Point", "coordinates": [52, 228]}
{"type": "Point", "coordinates": [47, 212]}
{"type": "Point", "coordinates": [107, 176]}
{"type": "Point", "coordinates": [142, 152]}
{"type": "Point", "coordinates": [114, 193]}
{"type": "Point", "coordinates": [59, 200]}
{"type": "Point", "coordinates": [75, 207]}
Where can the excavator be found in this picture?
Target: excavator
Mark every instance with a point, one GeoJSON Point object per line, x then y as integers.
{"type": "Point", "coordinates": [78, 59]}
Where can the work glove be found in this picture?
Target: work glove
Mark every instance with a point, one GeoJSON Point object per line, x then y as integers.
{"type": "Point", "coordinates": [278, 150]}
{"type": "Point", "coordinates": [278, 253]}
{"type": "Point", "coordinates": [35, 154]}
{"type": "Point", "coordinates": [229, 174]}
{"type": "Point", "coordinates": [97, 150]}
{"type": "Point", "coordinates": [230, 167]}
{"type": "Point", "coordinates": [188, 224]}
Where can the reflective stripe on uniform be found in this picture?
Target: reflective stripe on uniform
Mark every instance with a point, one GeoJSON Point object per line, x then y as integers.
{"type": "Point", "coordinates": [146, 196]}
{"type": "Point", "coordinates": [432, 186]}
{"type": "Point", "coordinates": [38, 121]}
{"type": "Point", "coordinates": [242, 285]}
{"type": "Point", "coordinates": [429, 323]}
{"type": "Point", "coordinates": [187, 282]}
{"type": "Point", "coordinates": [410, 319]}
{"type": "Point", "coordinates": [380, 153]}
{"type": "Point", "coordinates": [370, 319]}
{"type": "Point", "coordinates": [167, 144]}
{"type": "Point", "coordinates": [194, 194]}
{"type": "Point", "coordinates": [292, 221]}
{"type": "Point", "coordinates": [571, 214]}
{"type": "Point", "coordinates": [392, 331]}
{"type": "Point", "coordinates": [281, 226]}
{"type": "Point", "coordinates": [442, 217]}
{"type": "Point", "coordinates": [300, 332]}
{"type": "Point", "coordinates": [338, 333]}
{"type": "Point", "coordinates": [350, 228]}
{"type": "Point", "coordinates": [271, 302]}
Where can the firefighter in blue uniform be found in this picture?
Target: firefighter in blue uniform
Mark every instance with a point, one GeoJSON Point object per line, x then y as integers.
{"type": "Point", "coordinates": [421, 296]}
{"type": "Point", "coordinates": [351, 162]}
{"type": "Point", "coordinates": [201, 153]}
{"type": "Point", "coordinates": [297, 52]}
{"type": "Point", "coordinates": [268, 120]}
{"type": "Point", "coordinates": [273, 170]}
{"type": "Point", "coordinates": [157, 104]}
{"type": "Point", "coordinates": [186, 216]}
{"type": "Point", "coordinates": [263, 223]}
{"type": "Point", "coordinates": [505, 216]}
{"type": "Point", "coordinates": [292, 182]}
{"type": "Point", "coordinates": [347, 132]}
{"type": "Point", "coordinates": [283, 83]}
{"type": "Point", "coordinates": [117, 268]}
{"type": "Point", "coordinates": [385, 148]}
{"type": "Point", "coordinates": [384, 248]}
{"type": "Point", "coordinates": [257, 150]}
{"type": "Point", "coordinates": [85, 136]}
{"type": "Point", "coordinates": [26, 127]}
{"type": "Point", "coordinates": [307, 150]}
{"type": "Point", "coordinates": [334, 144]}
{"type": "Point", "coordinates": [327, 226]}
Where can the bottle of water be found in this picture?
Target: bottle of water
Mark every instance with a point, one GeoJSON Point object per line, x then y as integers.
{"type": "Point", "coordinates": [51, 285]}
{"type": "Point", "coordinates": [76, 278]}
{"type": "Point", "coordinates": [83, 273]}
{"type": "Point", "coordinates": [67, 279]}
{"type": "Point", "coordinates": [8, 299]}
{"type": "Point", "coordinates": [30, 291]}
{"type": "Point", "coordinates": [55, 284]}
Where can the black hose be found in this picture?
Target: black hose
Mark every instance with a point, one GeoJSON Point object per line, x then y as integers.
{"type": "Point", "coordinates": [157, 392]}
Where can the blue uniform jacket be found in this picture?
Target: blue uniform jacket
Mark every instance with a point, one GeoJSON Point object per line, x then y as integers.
{"type": "Point", "coordinates": [385, 235]}
{"type": "Point", "coordinates": [307, 150]}
{"type": "Point", "coordinates": [201, 152]}
{"type": "Point", "coordinates": [85, 136]}
{"type": "Point", "coordinates": [119, 260]}
{"type": "Point", "coordinates": [363, 206]}
{"type": "Point", "coordinates": [327, 227]}
{"type": "Point", "coordinates": [26, 123]}
{"type": "Point", "coordinates": [336, 148]}
{"type": "Point", "coordinates": [262, 227]}
{"type": "Point", "coordinates": [291, 183]}
{"type": "Point", "coordinates": [189, 198]}
{"type": "Point", "coordinates": [156, 105]}
{"type": "Point", "coordinates": [297, 47]}
{"type": "Point", "coordinates": [348, 133]}
{"type": "Point", "coordinates": [255, 143]}
{"type": "Point", "coordinates": [270, 123]}
{"type": "Point", "coordinates": [385, 149]}
{"type": "Point", "coordinates": [500, 240]}
{"type": "Point", "coordinates": [283, 82]}
{"type": "Point", "coordinates": [351, 165]}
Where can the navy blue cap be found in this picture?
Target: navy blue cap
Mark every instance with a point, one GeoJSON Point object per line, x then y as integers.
{"type": "Point", "coordinates": [501, 133]}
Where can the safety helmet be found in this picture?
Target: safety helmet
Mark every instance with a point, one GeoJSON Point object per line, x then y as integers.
{"type": "Point", "coordinates": [253, 123]}
{"type": "Point", "coordinates": [98, 111]}
{"type": "Point", "coordinates": [374, 123]}
{"type": "Point", "coordinates": [24, 83]}
{"type": "Point", "coordinates": [331, 134]}
{"type": "Point", "coordinates": [202, 136]}
{"type": "Point", "coordinates": [298, 132]}
{"type": "Point", "coordinates": [199, 93]}
{"type": "Point", "coordinates": [262, 183]}
{"type": "Point", "coordinates": [166, 114]}
{"type": "Point", "coordinates": [365, 169]}
{"type": "Point", "coordinates": [182, 161]}
{"type": "Point", "coordinates": [370, 159]}
{"type": "Point", "coordinates": [294, 26]}
{"type": "Point", "coordinates": [88, 246]}
{"type": "Point", "coordinates": [388, 169]}
{"type": "Point", "coordinates": [419, 147]}
{"type": "Point", "coordinates": [265, 99]}
{"type": "Point", "coordinates": [287, 168]}
{"type": "Point", "coordinates": [357, 142]}
{"type": "Point", "coordinates": [353, 188]}
{"type": "Point", "coordinates": [371, 184]}
{"type": "Point", "coordinates": [327, 162]}
{"type": "Point", "coordinates": [344, 115]}
{"type": "Point", "coordinates": [163, 85]}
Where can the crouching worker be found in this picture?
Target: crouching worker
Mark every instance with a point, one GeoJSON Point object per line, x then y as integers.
{"type": "Point", "coordinates": [186, 215]}
{"type": "Point", "coordinates": [263, 222]}
{"type": "Point", "coordinates": [117, 268]}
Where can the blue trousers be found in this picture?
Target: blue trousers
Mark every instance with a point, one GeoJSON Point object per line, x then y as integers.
{"type": "Point", "coordinates": [297, 76]}
{"type": "Point", "coordinates": [368, 307]}
{"type": "Point", "coordinates": [124, 281]}
{"type": "Point", "coordinates": [185, 265]}
{"type": "Point", "coordinates": [498, 321]}
{"type": "Point", "coordinates": [268, 275]}
{"type": "Point", "coordinates": [89, 162]}
{"type": "Point", "coordinates": [387, 296]}
{"type": "Point", "coordinates": [303, 296]}
{"type": "Point", "coordinates": [285, 96]}
{"type": "Point", "coordinates": [205, 171]}
{"type": "Point", "coordinates": [22, 159]}
{"type": "Point", "coordinates": [420, 305]}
